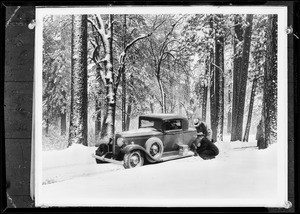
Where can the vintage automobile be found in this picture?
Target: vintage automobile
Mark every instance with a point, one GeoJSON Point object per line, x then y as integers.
{"type": "Point", "coordinates": [159, 137]}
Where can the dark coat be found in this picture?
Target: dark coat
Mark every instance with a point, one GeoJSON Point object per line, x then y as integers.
{"type": "Point", "coordinates": [207, 149]}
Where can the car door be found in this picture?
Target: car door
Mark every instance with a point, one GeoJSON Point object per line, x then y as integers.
{"type": "Point", "coordinates": [172, 134]}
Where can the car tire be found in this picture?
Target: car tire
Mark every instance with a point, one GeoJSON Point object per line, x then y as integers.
{"type": "Point", "coordinates": [133, 159]}
{"type": "Point", "coordinates": [102, 150]}
{"type": "Point", "coordinates": [156, 143]}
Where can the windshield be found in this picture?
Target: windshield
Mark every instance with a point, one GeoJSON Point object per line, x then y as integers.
{"type": "Point", "coordinates": [150, 123]}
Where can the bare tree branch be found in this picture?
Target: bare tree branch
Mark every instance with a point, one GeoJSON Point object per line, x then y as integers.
{"type": "Point", "coordinates": [99, 31]}
{"type": "Point", "coordinates": [164, 43]}
{"type": "Point", "coordinates": [101, 23]}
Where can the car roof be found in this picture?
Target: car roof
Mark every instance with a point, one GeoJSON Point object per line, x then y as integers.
{"type": "Point", "coordinates": [163, 116]}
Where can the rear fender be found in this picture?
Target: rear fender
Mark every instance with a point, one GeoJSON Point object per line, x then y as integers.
{"type": "Point", "coordinates": [129, 148]}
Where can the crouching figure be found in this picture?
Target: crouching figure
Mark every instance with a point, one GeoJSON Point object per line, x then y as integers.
{"type": "Point", "coordinates": [203, 145]}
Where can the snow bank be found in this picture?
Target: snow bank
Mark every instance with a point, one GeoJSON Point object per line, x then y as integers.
{"type": "Point", "coordinates": [240, 174]}
{"type": "Point", "coordinates": [75, 154]}
{"type": "Point", "coordinates": [72, 162]}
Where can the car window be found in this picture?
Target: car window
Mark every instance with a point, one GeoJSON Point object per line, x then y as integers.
{"type": "Point", "coordinates": [173, 125]}
{"type": "Point", "coordinates": [150, 124]}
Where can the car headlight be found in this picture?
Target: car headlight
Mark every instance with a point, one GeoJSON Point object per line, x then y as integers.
{"type": "Point", "coordinates": [120, 141]}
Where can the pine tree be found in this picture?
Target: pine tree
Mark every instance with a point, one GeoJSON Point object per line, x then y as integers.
{"type": "Point", "coordinates": [238, 39]}
{"type": "Point", "coordinates": [78, 118]}
{"type": "Point", "coordinates": [269, 112]}
{"type": "Point", "coordinates": [240, 82]}
{"type": "Point", "coordinates": [219, 76]}
{"type": "Point", "coordinates": [243, 77]}
{"type": "Point", "coordinates": [248, 124]}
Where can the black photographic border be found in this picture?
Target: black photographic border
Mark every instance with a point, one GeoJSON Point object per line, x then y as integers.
{"type": "Point", "coordinates": [293, 106]}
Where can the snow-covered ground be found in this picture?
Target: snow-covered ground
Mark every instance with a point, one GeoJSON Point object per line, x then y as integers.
{"type": "Point", "coordinates": [239, 175]}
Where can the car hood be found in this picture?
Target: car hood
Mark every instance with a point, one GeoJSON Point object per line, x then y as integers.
{"type": "Point", "coordinates": [139, 132]}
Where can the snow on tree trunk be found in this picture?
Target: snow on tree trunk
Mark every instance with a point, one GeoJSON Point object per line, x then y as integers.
{"type": "Point", "coordinates": [124, 79]}
{"type": "Point", "coordinates": [123, 101]}
{"type": "Point", "coordinates": [219, 82]}
{"type": "Point", "coordinates": [71, 84]}
{"type": "Point", "coordinates": [98, 104]}
{"type": "Point", "coordinates": [63, 115]}
{"type": "Point", "coordinates": [243, 77]}
{"type": "Point", "coordinates": [248, 125]}
{"type": "Point", "coordinates": [229, 116]}
{"type": "Point", "coordinates": [270, 84]}
{"type": "Point", "coordinates": [110, 121]}
{"type": "Point", "coordinates": [236, 72]}
{"type": "Point", "coordinates": [78, 119]}
{"type": "Point", "coordinates": [204, 103]}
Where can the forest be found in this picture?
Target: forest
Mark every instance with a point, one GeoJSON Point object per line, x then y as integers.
{"type": "Point", "coordinates": [101, 71]}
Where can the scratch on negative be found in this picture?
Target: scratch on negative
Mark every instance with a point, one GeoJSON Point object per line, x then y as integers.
{"type": "Point", "coordinates": [10, 200]}
{"type": "Point", "coordinates": [8, 22]}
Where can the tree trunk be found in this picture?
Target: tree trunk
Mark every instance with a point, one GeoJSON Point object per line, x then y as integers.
{"type": "Point", "coordinates": [63, 115]}
{"type": "Point", "coordinates": [151, 106]}
{"type": "Point", "coordinates": [212, 99]}
{"type": "Point", "coordinates": [46, 126]}
{"type": "Point", "coordinates": [98, 104]}
{"type": "Point", "coordinates": [162, 93]}
{"type": "Point", "coordinates": [236, 72]}
{"type": "Point", "coordinates": [270, 84]}
{"type": "Point", "coordinates": [204, 100]}
{"type": "Point", "coordinates": [129, 109]}
{"type": "Point", "coordinates": [219, 84]}
{"type": "Point", "coordinates": [63, 123]}
{"type": "Point", "coordinates": [97, 119]}
{"type": "Point", "coordinates": [243, 77]}
{"type": "Point", "coordinates": [204, 103]}
{"type": "Point", "coordinates": [123, 101]}
{"type": "Point", "coordinates": [124, 79]}
{"type": "Point", "coordinates": [78, 124]}
{"type": "Point", "coordinates": [248, 125]}
{"type": "Point", "coordinates": [110, 79]}
{"type": "Point", "coordinates": [71, 134]}
{"type": "Point", "coordinates": [104, 125]}
{"type": "Point", "coordinates": [229, 116]}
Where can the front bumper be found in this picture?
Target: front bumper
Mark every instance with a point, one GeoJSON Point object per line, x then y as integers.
{"type": "Point", "coordinates": [107, 159]}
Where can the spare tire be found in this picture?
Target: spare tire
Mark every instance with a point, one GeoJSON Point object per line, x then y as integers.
{"type": "Point", "coordinates": [155, 148]}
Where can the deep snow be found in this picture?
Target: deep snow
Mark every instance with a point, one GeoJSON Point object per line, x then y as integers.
{"type": "Point", "coordinates": [241, 175]}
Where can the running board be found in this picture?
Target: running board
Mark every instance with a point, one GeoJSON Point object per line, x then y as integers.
{"type": "Point", "coordinates": [175, 155]}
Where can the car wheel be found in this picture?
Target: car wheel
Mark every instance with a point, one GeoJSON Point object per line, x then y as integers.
{"type": "Point", "coordinates": [102, 150]}
{"type": "Point", "coordinates": [155, 148]}
{"type": "Point", "coordinates": [133, 159]}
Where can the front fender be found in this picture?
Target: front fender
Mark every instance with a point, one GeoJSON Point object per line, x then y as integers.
{"type": "Point", "coordinates": [132, 147]}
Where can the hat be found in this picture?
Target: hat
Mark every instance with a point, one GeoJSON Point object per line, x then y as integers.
{"type": "Point", "coordinates": [200, 134]}
{"type": "Point", "coordinates": [196, 122]}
